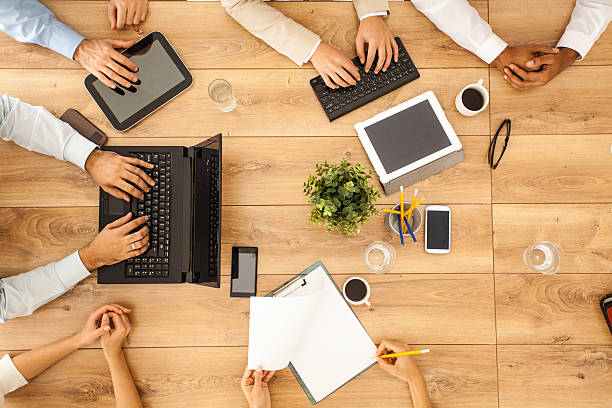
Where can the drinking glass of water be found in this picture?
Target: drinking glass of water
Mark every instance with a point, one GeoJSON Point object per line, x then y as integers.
{"type": "Point", "coordinates": [380, 256]}
{"type": "Point", "coordinates": [544, 257]}
{"type": "Point", "coordinates": [220, 91]}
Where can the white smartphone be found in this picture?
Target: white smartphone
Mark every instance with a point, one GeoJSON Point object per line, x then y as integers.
{"type": "Point", "coordinates": [437, 229]}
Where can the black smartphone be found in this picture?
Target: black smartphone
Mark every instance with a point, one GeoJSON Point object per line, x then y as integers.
{"type": "Point", "coordinates": [244, 272]}
{"type": "Point", "coordinates": [82, 125]}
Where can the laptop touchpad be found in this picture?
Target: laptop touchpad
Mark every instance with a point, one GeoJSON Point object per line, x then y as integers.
{"type": "Point", "coordinates": [117, 206]}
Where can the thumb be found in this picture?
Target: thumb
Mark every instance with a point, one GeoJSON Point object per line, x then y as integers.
{"type": "Point", "coordinates": [119, 221]}
{"type": "Point", "coordinates": [258, 377]}
{"type": "Point", "coordinates": [121, 43]}
{"type": "Point", "coordinates": [544, 49]}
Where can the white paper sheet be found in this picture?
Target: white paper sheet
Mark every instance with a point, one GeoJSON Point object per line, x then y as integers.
{"type": "Point", "coordinates": [276, 326]}
{"type": "Point", "coordinates": [331, 346]}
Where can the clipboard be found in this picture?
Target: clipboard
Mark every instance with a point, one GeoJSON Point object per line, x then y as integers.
{"type": "Point", "coordinates": [293, 285]}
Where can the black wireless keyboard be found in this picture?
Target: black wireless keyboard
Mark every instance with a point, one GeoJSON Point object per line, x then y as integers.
{"type": "Point", "coordinates": [339, 102]}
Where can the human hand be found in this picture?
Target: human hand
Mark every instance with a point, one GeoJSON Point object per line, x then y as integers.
{"type": "Point", "coordinates": [114, 173]}
{"type": "Point", "coordinates": [549, 65]}
{"type": "Point", "coordinates": [101, 59]}
{"type": "Point", "coordinates": [254, 385]}
{"type": "Point", "coordinates": [520, 54]}
{"type": "Point", "coordinates": [402, 367]}
{"type": "Point", "coordinates": [126, 12]}
{"type": "Point", "coordinates": [374, 31]}
{"type": "Point", "coordinates": [335, 67]}
{"type": "Point", "coordinates": [116, 243]}
{"type": "Point", "coordinates": [112, 340]}
{"type": "Point", "coordinates": [94, 327]}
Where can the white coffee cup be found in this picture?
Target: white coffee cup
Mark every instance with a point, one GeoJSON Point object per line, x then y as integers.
{"type": "Point", "coordinates": [365, 299]}
{"type": "Point", "coordinates": [485, 96]}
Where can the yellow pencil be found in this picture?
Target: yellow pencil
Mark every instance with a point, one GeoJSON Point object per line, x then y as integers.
{"type": "Point", "coordinates": [402, 209]}
{"type": "Point", "coordinates": [406, 353]}
{"type": "Point", "coordinates": [412, 205]}
{"type": "Point", "coordinates": [410, 209]}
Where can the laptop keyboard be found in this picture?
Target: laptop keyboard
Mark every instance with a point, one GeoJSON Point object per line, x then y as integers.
{"type": "Point", "coordinates": [338, 102]}
{"type": "Point", "coordinates": [155, 204]}
{"type": "Point", "coordinates": [214, 214]}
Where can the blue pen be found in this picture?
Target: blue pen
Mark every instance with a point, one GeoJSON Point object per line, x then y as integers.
{"type": "Point", "coordinates": [399, 225]}
{"type": "Point", "coordinates": [409, 229]}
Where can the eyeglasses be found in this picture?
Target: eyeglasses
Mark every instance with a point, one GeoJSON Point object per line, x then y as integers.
{"type": "Point", "coordinates": [491, 155]}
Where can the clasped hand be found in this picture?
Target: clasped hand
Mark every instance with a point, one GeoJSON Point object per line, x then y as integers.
{"type": "Point", "coordinates": [528, 66]}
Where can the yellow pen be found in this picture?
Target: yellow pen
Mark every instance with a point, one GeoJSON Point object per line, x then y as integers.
{"type": "Point", "coordinates": [406, 353]}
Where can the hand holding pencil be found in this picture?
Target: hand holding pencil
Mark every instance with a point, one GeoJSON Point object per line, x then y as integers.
{"type": "Point", "coordinates": [401, 367]}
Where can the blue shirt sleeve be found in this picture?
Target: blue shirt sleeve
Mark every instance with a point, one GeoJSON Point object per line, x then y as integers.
{"type": "Point", "coordinates": [30, 22]}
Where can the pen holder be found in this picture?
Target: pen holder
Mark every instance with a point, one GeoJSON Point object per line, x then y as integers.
{"type": "Point", "coordinates": [416, 220]}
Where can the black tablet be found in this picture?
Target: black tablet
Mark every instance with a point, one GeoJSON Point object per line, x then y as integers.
{"type": "Point", "coordinates": [161, 77]}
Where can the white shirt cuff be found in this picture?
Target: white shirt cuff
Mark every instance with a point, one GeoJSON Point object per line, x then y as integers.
{"type": "Point", "coordinates": [313, 51]}
{"type": "Point", "coordinates": [491, 48]}
{"type": "Point", "coordinates": [71, 270]}
{"type": "Point", "coordinates": [78, 149]}
{"type": "Point", "coordinates": [379, 13]}
{"type": "Point", "coordinates": [577, 41]}
{"type": "Point", "coordinates": [10, 377]}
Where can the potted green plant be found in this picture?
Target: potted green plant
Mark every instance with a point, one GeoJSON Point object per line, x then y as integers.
{"type": "Point", "coordinates": [341, 196]}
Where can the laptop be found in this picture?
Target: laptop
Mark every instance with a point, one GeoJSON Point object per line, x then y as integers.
{"type": "Point", "coordinates": [184, 209]}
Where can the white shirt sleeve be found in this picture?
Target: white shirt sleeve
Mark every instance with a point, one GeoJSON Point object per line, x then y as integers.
{"type": "Point", "coordinates": [589, 20]}
{"type": "Point", "coordinates": [31, 22]}
{"type": "Point", "coordinates": [22, 294]}
{"type": "Point", "coordinates": [34, 128]}
{"type": "Point", "coordinates": [313, 51]}
{"type": "Point", "coordinates": [10, 377]}
{"type": "Point", "coordinates": [379, 13]}
{"type": "Point", "coordinates": [461, 22]}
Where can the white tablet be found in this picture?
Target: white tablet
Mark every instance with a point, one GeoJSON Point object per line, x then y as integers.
{"type": "Point", "coordinates": [407, 136]}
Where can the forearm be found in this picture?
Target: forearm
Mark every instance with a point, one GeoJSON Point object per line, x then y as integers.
{"type": "Point", "coordinates": [277, 30]}
{"type": "Point", "coordinates": [35, 129]}
{"type": "Point", "coordinates": [29, 21]}
{"type": "Point", "coordinates": [420, 395]}
{"type": "Point", "coordinates": [33, 362]}
{"type": "Point", "coordinates": [590, 19]}
{"type": "Point", "coordinates": [22, 294]}
{"type": "Point", "coordinates": [126, 394]}
{"type": "Point", "coordinates": [462, 23]}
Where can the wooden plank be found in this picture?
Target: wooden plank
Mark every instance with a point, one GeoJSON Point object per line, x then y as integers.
{"type": "Point", "coordinates": [276, 102]}
{"type": "Point", "coordinates": [564, 106]}
{"type": "Point", "coordinates": [542, 22]}
{"type": "Point", "coordinates": [418, 308]}
{"type": "Point", "coordinates": [556, 309]}
{"type": "Point", "coordinates": [555, 376]}
{"type": "Point", "coordinates": [254, 173]}
{"type": "Point", "coordinates": [42, 235]}
{"type": "Point", "coordinates": [457, 376]}
{"type": "Point", "coordinates": [214, 40]}
{"type": "Point", "coordinates": [554, 169]}
{"type": "Point", "coordinates": [583, 231]}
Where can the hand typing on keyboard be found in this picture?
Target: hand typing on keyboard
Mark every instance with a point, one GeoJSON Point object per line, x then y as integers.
{"type": "Point", "coordinates": [374, 31]}
{"type": "Point", "coordinates": [121, 239]}
{"type": "Point", "coordinates": [335, 68]}
{"type": "Point", "coordinates": [119, 175]}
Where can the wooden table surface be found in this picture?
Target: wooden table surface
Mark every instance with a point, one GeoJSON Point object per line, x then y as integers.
{"type": "Point", "coordinates": [500, 335]}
